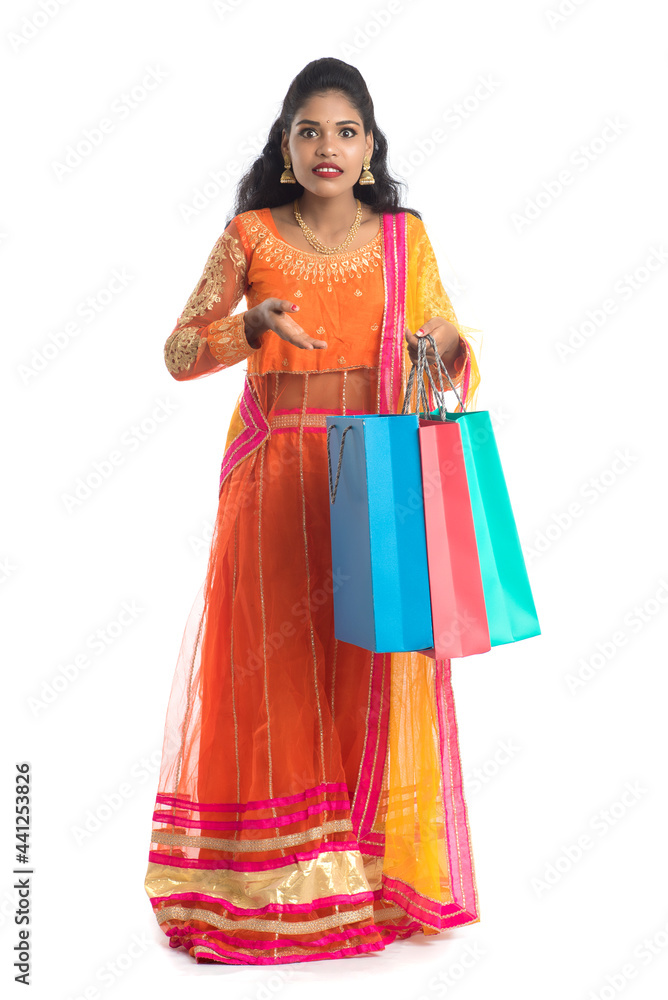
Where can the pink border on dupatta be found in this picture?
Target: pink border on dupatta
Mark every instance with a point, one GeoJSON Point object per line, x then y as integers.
{"type": "Point", "coordinates": [464, 908]}
{"type": "Point", "coordinates": [395, 268]}
{"type": "Point", "coordinates": [370, 781]}
{"type": "Point", "coordinates": [459, 841]}
{"type": "Point", "coordinates": [256, 430]}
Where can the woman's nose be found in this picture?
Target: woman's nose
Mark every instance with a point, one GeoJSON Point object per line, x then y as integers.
{"type": "Point", "coordinates": [327, 146]}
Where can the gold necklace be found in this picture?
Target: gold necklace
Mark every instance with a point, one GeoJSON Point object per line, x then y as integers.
{"type": "Point", "coordinates": [313, 239]}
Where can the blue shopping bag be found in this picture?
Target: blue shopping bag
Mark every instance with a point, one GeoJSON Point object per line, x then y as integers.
{"type": "Point", "coordinates": [377, 528]}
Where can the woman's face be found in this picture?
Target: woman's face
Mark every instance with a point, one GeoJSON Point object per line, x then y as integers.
{"type": "Point", "coordinates": [327, 129]}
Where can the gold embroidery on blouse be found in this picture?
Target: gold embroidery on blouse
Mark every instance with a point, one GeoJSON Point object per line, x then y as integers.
{"type": "Point", "coordinates": [358, 291]}
{"type": "Point", "coordinates": [321, 330]}
{"type": "Point", "coordinates": [181, 349]}
{"type": "Point", "coordinates": [298, 294]}
{"type": "Point", "coordinates": [209, 288]}
{"type": "Point", "coordinates": [313, 267]}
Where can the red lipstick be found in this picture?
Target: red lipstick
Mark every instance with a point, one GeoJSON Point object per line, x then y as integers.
{"type": "Point", "coordinates": [321, 170]}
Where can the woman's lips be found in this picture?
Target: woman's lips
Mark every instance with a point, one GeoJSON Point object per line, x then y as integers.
{"type": "Point", "coordinates": [327, 172]}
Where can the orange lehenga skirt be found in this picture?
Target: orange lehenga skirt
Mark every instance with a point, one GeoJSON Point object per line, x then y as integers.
{"type": "Point", "coordinates": [310, 801]}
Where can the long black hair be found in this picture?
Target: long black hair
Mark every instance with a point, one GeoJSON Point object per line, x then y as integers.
{"type": "Point", "coordinates": [260, 187]}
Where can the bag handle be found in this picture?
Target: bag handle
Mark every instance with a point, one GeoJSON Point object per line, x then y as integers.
{"type": "Point", "coordinates": [332, 493]}
{"type": "Point", "coordinates": [418, 368]}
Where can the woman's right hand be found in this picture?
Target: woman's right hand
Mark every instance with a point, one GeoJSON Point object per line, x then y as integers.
{"type": "Point", "coordinates": [277, 315]}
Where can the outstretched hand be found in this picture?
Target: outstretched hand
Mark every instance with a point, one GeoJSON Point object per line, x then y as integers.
{"type": "Point", "coordinates": [277, 315]}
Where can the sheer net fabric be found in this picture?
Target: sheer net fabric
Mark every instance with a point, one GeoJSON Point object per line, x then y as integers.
{"type": "Point", "coordinates": [310, 790]}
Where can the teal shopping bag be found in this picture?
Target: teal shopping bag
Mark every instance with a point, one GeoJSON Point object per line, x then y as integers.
{"type": "Point", "coordinates": [511, 612]}
{"type": "Point", "coordinates": [378, 538]}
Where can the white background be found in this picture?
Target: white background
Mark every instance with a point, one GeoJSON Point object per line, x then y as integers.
{"type": "Point", "coordinates": [536, 92]}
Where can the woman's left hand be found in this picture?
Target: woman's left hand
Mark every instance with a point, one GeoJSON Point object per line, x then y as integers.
{"type": "Point", "coordinates": [445, 334]}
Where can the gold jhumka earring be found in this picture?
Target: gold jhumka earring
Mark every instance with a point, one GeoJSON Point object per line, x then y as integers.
{"type": "Point", "coordinates": [366, 177]}
{"type": "Point", "coordinates": [287, 177]}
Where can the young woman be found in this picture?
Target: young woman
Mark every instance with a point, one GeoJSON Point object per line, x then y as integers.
{"type": "Point", "coordinates": [310, 799]}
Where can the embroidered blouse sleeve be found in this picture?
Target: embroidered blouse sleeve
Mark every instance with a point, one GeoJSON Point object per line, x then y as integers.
{"type": "Point", "coordinates": [433, 300]}
{"type": "Point", "coordinates": [207, 337]}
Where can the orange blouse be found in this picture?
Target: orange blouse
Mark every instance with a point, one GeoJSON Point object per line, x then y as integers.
{"type": "Point", "coordinates": [341, 299]}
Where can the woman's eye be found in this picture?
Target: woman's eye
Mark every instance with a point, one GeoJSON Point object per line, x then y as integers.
{"type": "Point", "coordinates": [305, 130]}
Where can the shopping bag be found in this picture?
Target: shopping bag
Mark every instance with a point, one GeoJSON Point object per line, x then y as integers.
{"type": "Point", "coordinates": [377, 528]}
{"type": "Point", "coordinates": [511, 611]}
{"type": "Point", "coordinates": [458, 611]}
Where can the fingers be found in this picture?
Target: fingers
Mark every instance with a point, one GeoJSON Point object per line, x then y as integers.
{"type": "Point", "coordinates": [294, 334]}
{"type": "Point", "coordinates": [414, 338]}
{"type": "Point", "coordinates": [429, 326]}
{"type": "Point", "coordinates": [309, 343]}
{"type": "Point", "coordinates": [281, 305]}
{"type": "Point", "coordinates": [413, 342]}
{"type": "Point", "coordinates": [289, 329]}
